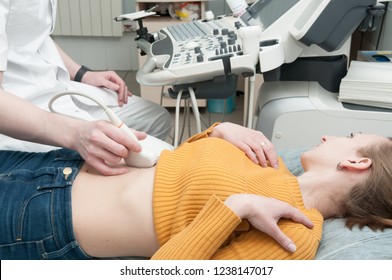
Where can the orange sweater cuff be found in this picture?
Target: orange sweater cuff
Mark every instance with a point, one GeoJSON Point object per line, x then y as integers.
{"type": "Point", "coordinates": [203, 237]}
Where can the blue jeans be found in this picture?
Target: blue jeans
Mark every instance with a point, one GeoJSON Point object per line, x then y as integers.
{"type": "Point", "coordinates": [35, 205]}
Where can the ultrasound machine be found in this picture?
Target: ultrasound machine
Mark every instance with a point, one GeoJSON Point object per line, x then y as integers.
{"type": "Point", "coordinates": [300, 47]}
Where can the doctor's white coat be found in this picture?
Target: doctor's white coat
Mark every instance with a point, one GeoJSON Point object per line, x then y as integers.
{"type": "Point", "coordinates": [32, 66]}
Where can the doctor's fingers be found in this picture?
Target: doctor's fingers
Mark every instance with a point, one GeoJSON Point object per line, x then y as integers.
{"type": "Point", "coordinates": [106, 168]}
{"type": "Point", "coordinates": [103, 150]}
{"type": "Point", "coordinates": [107, 161]}
{"type": "Point", "coordinates": [111, 80]}
{"type": "Point", "coordinates": [123, 95]}
{"type": "Point", "coordinates": [123, 92]}
{"type": "Point", "coordinates": [107, 141]}
{"type": "Point", "coordinates": [114, 82]}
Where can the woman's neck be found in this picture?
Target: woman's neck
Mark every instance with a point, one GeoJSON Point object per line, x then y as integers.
{"type": "Point", "coordinates": [322, 191]}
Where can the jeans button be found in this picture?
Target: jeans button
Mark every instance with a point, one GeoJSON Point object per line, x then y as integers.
{"type": "Point", "coordinates": [66, 172]}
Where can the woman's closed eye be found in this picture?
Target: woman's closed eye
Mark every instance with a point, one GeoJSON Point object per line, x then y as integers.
{"type": "Point", "coordinates": [352, 134]}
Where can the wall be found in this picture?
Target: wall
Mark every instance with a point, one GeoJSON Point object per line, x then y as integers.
{"type": "Point", "coordinates": [218, 7]}
{"type": "Point", "coordinates": [129, 6]}
{"type": "Point", "coordinates": [115, 53]}
{"type": "Point", "coordinates": [103, 53]}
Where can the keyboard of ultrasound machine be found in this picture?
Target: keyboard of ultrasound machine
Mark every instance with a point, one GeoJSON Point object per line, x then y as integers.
{"type": "Point", "coordinates": [196, 51]}
{"type": "Point", "coordinates": [201, 41]}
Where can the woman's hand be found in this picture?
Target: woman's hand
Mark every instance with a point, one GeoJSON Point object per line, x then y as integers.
{"type": "Point", "coordinates": [103, 146]}
{"type": "Point", "coordinates": [110, 80]}
{"type": "Point", "coordinates": [264, 213]}
{"type": "Point", "coordinates": [252, 142]}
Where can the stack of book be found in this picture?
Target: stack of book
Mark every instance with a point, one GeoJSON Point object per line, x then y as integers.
{"type": "Point", "coordinates": [368, 83]}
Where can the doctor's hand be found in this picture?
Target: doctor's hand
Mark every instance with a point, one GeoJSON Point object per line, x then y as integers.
{"type": "Point", "coordinates": [110, 80]}
{"type": "Point", "coordinates": [252, 142]}
{"type": "Point", "coordinates": [264, 213]}
{"type": "Point", "coordinates": [103, 146]}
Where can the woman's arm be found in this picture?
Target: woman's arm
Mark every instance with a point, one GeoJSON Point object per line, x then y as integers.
{"type": "Point", "coordinates": [252, 142]}
{"type": "Point", "coordinates": [99, 142]}
{"type": "Point", "coordinates": [107, 79]}
{"type": "Point", "coordinates": [203, 237]}
{"type": "Point", "coordinates": [217, 221]}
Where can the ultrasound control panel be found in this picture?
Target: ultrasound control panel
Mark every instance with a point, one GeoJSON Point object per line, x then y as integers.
{"type": "Point", "coordinates": [196, 51]}
{"type": "Point", "coordinates": [197, 41]}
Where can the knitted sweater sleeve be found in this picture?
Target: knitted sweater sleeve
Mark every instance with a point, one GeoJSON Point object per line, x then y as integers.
{"type": "Point", "coordinates": [204, 235]}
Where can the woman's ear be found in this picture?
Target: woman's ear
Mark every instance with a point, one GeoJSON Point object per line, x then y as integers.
{"type": "Point", "coordinates": [356, 164]}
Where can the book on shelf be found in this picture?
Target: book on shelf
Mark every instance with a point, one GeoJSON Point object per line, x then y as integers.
{"type": "Point", "coordinates": [367, 83]}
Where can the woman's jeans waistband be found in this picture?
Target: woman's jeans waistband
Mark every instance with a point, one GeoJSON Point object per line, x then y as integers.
{"type": "Point", "coordinates": [35, 205]}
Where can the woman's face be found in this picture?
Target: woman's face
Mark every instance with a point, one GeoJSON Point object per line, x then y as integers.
{"type": "Point", "coordinates": [333, 150]}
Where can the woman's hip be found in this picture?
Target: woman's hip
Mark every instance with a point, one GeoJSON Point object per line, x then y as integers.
{"type": "Point", "coordinates": [35, 206]}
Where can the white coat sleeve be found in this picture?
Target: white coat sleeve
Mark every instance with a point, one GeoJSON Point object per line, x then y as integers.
{"type": "Point", "coordinates": [4, 10]}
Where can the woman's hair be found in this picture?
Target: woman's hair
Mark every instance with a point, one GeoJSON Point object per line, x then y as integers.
{"type": "Point", "coordinates": [370, 202]}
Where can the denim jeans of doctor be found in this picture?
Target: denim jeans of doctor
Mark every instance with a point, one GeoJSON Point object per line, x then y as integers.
{"type": "Point", "coordinates": [35, 205]}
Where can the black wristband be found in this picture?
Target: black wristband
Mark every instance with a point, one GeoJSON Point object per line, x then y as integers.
{"type": "Point", "coordinates": [79, 75]}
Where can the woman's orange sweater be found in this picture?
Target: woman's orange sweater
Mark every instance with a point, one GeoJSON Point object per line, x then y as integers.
{"type": "Point", "coordinates": [191, 219]}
